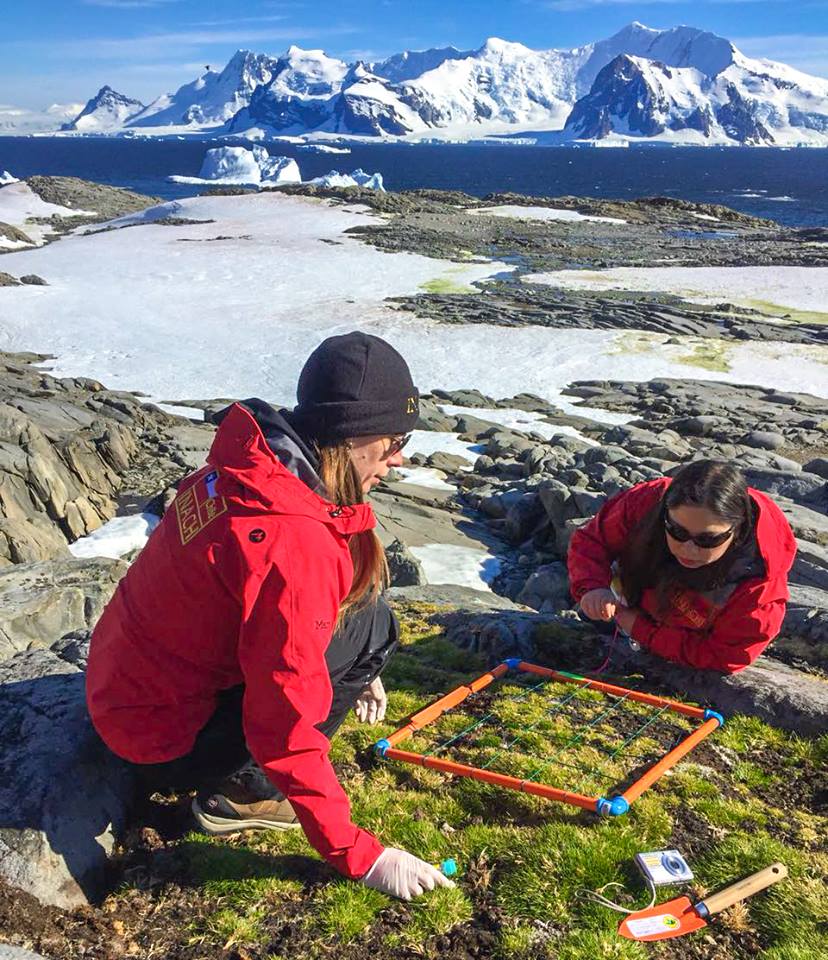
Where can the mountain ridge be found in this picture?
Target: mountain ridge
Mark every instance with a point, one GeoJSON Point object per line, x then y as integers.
{"type": "Point", "coordinates": [680, 85]}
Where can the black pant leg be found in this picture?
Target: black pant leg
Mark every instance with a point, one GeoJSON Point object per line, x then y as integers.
{"type": "Point", "coordinates": [358, 653]}
{"type": "Point", "coordinates": [219, 750]}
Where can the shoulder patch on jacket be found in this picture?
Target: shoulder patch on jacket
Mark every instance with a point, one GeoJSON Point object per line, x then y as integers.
{"type": "Point", "coordinates": [198, 506]}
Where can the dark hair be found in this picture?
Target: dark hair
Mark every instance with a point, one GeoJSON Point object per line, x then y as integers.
{"type": "Point", "coordinates": [647, 563]}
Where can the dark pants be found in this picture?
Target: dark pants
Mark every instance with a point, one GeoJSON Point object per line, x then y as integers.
{"type": "Point", "coordinates": [358, 653]}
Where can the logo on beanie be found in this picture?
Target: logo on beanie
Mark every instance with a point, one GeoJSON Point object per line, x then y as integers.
{"type": "Point", "coordinates": [411, 405]}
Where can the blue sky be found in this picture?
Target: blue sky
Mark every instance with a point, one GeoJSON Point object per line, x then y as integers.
{"type": "Point", "coordinates": [64, 50]}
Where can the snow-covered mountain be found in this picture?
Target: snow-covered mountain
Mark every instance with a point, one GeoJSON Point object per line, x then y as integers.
{"type": "Point", "coordinates": [107, 110]}
{"type": "Point", "coordinates": [413, 63]}
{"type": "Point", "coordinates": [681, 85]}
{"type": "Point", "coordinates": [745, 101]}
{"type": "Point", "coordinates": [17, 121]}
{"type": "Point", "coordinates": [296, 95]}
{"type": "Point", "coordinates": [214, 97]}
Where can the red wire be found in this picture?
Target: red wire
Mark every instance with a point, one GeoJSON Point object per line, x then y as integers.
{"type": "Point", "coordinates": [610, 651]}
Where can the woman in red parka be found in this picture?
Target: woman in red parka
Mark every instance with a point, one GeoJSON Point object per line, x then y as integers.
{"type": "Point", "coordinates": [252, 621]}
{"type": "Point", "coordinates": [694, 569]}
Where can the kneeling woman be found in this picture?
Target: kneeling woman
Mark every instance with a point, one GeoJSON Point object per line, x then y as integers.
{"type": "Point", "coordinates": [694, 568]}
{"type": "Point", "coordinates": [252, 620]}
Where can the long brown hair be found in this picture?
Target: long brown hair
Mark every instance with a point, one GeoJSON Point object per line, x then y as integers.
{"type": "Point", "coordinates": [343, 486]}
{"type": "Point", "coordinates": [647, 563]}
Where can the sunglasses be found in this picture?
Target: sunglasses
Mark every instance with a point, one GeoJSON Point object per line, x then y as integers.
{"type": "Point", "coordinates": [396, 444]}
{"type": "Point", "coordinates": [704, 540]}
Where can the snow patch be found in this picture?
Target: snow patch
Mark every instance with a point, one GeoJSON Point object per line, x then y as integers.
{"type": "Point", "coordinates": [523, 420]}
{"type": "Point", "coordinates": [117, 537]}
{"type": "Point", "coordinates": [463, 566]}
{"type": "Point", "coordinates": [540, 213]}
{"type": "Point", "coordinates": [795, 288]}
{"type": "Point", "coordinates": [19, 204]}
{"type": "Point", "coordinates": [6, 177]}
{"type": "Point", "coordinates": [424, 477]}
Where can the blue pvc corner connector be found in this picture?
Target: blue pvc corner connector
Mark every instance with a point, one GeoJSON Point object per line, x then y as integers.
{"type": "Point", "coordinates": [381, 746]}
{"type": "Point", "coordinates": [713, 715]}
{"type": "Point", "coordinates": [614, 807]}
{"type": "Point", "coordinates": [512, 663]}
{"type": "Point", "coordinates": [449, 867]}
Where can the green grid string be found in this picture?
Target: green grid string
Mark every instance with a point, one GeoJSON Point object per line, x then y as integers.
{"type": "Point", "coordinates": [578, 736]}
{"type": "Point", "coordinates": [479, 723]}
{"type": "Point", "coordinates": [528, 729]}
{"type": "Point", "coordinates": [557, 708]}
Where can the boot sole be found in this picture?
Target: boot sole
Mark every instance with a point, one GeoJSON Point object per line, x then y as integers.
{"type": "Point", "coordinates": [221, 825]}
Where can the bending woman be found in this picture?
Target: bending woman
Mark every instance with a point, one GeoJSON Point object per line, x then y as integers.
{"type": "Point", "coordinates": [694, 568]}
{"type": "Point", "coordinates": [219, 638]}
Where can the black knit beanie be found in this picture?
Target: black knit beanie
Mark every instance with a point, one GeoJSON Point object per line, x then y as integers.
{"type": "Point", "coordinates": [355, 385]}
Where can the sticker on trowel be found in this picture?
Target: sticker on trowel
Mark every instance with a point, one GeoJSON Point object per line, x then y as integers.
{"type": "Point", "coordinates": [647, 926]}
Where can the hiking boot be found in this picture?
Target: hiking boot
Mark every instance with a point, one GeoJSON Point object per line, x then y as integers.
{"type": "Point", "coordinates": [219, 814]}
{"type": "Point", "coordinates": [246, 800]}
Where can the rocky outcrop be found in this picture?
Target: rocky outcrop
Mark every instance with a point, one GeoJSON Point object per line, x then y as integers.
{"type": "Point", "coordinates": [63, 796]}
{"type": "Point", "coordinates": [43, 604]}
{"type": "Point", "coordinates": [69, 449]}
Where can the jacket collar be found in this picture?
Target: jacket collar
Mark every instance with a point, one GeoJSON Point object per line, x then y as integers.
{"type": "Point", "coordinates": [241, 452]}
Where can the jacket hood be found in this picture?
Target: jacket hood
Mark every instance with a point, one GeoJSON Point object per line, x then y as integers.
{"type": "Point", "coordinates": [775, 539]}
{"type": "Point", "coordinates": [278, 476]}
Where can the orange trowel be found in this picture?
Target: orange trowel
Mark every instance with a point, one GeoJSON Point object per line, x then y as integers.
{"type": "Point", "coordinates": [680, 916]}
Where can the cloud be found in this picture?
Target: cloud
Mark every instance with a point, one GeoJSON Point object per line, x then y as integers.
{"type": "Point", "coordinates": [181, 42]}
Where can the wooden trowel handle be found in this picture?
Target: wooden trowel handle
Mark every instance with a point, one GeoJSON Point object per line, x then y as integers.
{"type": "Point", "coordinates": [743, 889]}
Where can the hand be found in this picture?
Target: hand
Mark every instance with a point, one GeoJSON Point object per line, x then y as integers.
{"type": "Point", "coordinates": [599, 604]}
{"type": "Point", "coordinates": [372, 703]}
{"type": "Point", "coordinates": [625, 618]}
{"type": "Point", "coordinates": [403, 875]}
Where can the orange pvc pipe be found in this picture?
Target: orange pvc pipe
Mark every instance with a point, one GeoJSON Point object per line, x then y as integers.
{"type": "Point", "coordinates": [669, 760]}
{"type": "Point", "coordinates": [497, 779]}
{"type": "Point", "coordinates": [648, 698]}
{"type": "Point", "coordinates": [431, 713]}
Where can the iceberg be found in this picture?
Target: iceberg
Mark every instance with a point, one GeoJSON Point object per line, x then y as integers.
{"type": "Point", "coordinates": [322, 148]}
{"type": "Point", "coordinates": [358, 178]}
{"type": "Point", "coordinates": [242, 167]}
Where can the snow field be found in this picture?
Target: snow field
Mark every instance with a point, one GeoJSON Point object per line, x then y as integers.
{"type": "Point", "coordinates": [794, 288]}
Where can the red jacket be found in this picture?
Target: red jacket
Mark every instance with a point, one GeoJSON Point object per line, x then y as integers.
{"type": "Point", "coordinates": [696, 632]}
{"type": "Point", "coordinates": [240, 583]}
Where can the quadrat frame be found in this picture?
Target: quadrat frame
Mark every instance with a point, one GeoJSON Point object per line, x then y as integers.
{"type": "Point", "coordinates": [612, 806]}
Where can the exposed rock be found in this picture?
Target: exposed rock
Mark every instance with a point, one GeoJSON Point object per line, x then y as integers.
{"type": "Point", "coordinates": [9, 232]}
{"type": "Point", "coordinates": [63, 796]}
{"type": "Point", "coordinates": [765, 439]}
{"type": "Point", "coordinates": [547, 589]}
{"type": "Point", "coordinates": [40, 603]}
{"type": "Point", "coordinates": [405, 569]}
{"type": "Point", "coordinates": [69, 450]}
{"type": "Point", "coordinates": [107, 202]}
{"type": "Point", "coordinates": [33, 280]}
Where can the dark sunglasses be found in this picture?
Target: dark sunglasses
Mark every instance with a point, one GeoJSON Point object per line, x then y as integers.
{"type": "Point", "coordinates": [396, 444]}
{"type": "Point", "coordinates": [704, 540]}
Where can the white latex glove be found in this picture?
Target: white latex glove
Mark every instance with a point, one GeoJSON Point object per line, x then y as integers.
{"type": "Point", "coordinates": [372, 703]}
{"type": "Point", "coordinates": [403, 875]}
